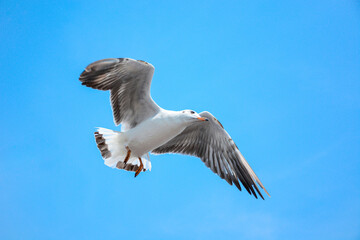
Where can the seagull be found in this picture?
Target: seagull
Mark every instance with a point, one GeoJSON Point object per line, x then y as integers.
{"type": "Point", "coordinates": [146, 127]}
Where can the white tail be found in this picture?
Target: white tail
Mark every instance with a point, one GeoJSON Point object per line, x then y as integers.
{"type": "Point", "coordinates": [113, 150]}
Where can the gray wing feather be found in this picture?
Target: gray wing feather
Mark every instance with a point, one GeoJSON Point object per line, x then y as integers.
{"type": "Point", "coordinates": [210, 142]}
{"type": "Point", "coordinates": [129, 83]}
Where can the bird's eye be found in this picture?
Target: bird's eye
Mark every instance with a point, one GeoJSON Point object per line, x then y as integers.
{"type": "Point", "coordinates": [192, 112]}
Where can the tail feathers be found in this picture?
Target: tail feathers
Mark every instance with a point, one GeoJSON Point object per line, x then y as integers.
{"type": "Point", "coordinates": [113, 150]}
{"type": "Point", "coordinates": [133, 164]}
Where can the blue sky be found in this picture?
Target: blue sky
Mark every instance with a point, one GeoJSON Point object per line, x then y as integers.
{"type": "Point", "coordinates": [283, 77]}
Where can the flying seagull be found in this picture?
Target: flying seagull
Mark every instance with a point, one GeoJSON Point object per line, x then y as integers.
{"type": "Point", "coordinates": [146, 127]}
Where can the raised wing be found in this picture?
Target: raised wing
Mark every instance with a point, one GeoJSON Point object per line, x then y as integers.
{"type": "Point", "coordinates": [129, 83]}
{"type": "Point", "coordinates": [210, 142]}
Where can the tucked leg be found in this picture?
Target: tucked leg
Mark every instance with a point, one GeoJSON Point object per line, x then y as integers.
{"type": "Point", "coordinates": [140, 168]}
{"type": "Point", "coordinates": [127, 155]}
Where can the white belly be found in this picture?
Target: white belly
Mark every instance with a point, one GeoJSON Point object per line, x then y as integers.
{"type": "Point", "coordinates": [152, 133]}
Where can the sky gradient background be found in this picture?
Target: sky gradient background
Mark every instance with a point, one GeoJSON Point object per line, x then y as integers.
{"type": "Point", "coordinates": [283, 77]}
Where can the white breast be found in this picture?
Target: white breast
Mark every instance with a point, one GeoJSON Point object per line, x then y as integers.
{"type": "Point", "coordinates": [154, 132]}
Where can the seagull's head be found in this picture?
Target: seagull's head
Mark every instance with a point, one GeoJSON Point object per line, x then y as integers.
{"type": "Point", "coordinates": [192, 116]}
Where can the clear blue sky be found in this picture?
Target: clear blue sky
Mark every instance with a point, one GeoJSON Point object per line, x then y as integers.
{"type": "Point", "coordinates": [283, 77]}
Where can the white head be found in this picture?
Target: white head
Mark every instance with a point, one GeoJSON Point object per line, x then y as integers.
{"type": "Point", "coordinates": [192, 116]}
